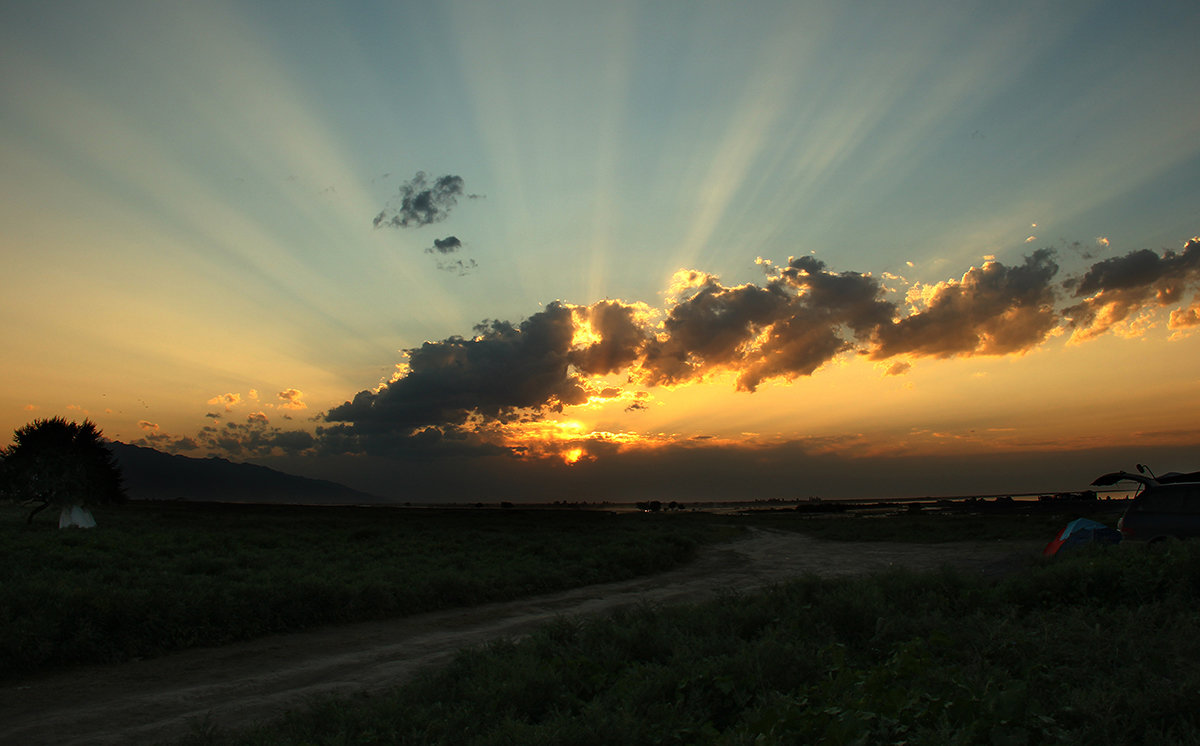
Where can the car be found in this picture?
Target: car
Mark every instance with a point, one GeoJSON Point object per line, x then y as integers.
{"type": "Point", "coordinates": [1166, 507]}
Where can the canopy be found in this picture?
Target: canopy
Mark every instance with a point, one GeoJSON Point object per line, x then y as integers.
{"type": "Point", "coordinates": [1081, 531]}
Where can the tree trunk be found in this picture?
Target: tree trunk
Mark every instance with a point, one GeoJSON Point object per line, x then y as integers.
{"type": "Point", "coordinates": [35, 511]}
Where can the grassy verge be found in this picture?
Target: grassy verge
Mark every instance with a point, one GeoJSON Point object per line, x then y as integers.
{"type": "Point", "coordinates": [1096, 648]}
{"type": "Point", "coordinates": [927, 527]}
{"type": "Point", "coordinates": [159, 577]}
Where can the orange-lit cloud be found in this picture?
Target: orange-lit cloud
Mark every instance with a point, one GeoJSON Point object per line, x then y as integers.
{"type": "Point", "coordinates": [292, 399]}
{"type": "Point", "coordinates": [992, 310]}
{"type": "Point", "coordinates": [1116, 290]}
{"type": "Point", "coordinates": [148, 426]}
{"type": "Point", "coordinates": [1185, 318]}
{"type": "Point", "coordinates": [229, 401]}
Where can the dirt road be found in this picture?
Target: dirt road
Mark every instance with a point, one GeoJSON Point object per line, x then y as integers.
{"type": "Point", "coordinates": [165, 698]}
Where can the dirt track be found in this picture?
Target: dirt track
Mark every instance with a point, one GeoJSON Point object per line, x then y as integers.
{"type": "Point", "coordinates": [166, 698]}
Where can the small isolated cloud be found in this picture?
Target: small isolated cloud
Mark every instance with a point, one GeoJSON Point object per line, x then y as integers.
{"type": "Point", "coordinates": [292, 399]}
{"type": "Point", "coordinates": [31, 407]}
{"type": "Point", "coordinates": [1102, 241]}
{"type": "Point", "coordinates": [148, 426]}
{"type": "Point", "coordinates": [257, 417]}
{"type": "Point", "coordinates": [421, 202]}
{"type": "Point", "coordinates": [229, 401]}
{"type": "Point", "coordinates": [442, 248]}
{"type": "Point", "coordinates": [458, 267]}
{"type": "Point", "coordinates": [898, 368]}
{"type": "Point", "coordinates": [447, 245]}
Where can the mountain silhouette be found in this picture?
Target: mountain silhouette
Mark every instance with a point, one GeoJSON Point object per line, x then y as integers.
{"type": "Point", "coordinates": [153, 475]}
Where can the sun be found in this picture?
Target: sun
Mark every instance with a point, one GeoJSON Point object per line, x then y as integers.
{"type": "Point", "coordinates": [572, 456]}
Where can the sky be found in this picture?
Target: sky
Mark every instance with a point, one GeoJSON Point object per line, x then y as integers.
{"type": "Point", "coordinates": [608, 251]}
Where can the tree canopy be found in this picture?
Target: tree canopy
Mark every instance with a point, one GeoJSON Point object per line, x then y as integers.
{"type": "Point", "coordinates": [60, 463]}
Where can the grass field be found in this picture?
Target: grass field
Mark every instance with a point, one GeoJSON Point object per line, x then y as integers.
{"type": "Point", "coordinates": [155, 577]}
{"type": "Point", "coordinates": [1097, 648]}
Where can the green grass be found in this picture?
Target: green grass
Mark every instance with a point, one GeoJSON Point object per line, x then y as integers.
{"type": "Point", "coordinates": [1100, 647]}
{"type": "Point", "coordinates": [925, 527]}
{"type": "Point", "coordinates": [155, 577]}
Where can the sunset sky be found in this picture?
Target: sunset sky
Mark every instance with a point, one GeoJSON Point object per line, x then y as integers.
{"type": "Point", "coordinates": [555, 250]}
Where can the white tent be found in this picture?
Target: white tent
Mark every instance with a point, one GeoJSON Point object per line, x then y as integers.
{"type": "Point", "coordinates": [76, 515]}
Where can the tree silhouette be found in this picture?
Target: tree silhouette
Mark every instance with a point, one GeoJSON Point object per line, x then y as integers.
{"type": "Point", "coordinates": [60, 463]}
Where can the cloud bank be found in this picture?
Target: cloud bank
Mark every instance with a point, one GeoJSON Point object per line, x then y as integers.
{"type": "Point", "coordinates": [802, 317]}
{"type": "Point", "coordinates": [500, 391]}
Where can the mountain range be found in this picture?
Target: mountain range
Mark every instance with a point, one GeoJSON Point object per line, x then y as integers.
{"type": "Point", "coordinates": [150, 474]}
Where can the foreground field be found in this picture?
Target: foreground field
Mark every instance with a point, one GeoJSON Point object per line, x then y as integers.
{"type": "Point", "coordinates": [156, 577]}
{"type": "Point", "coordinates": [1025, 652]}
{"type": "Point", "coordinates": [1095, 648]}
{"type": "Point", "coordinates": [234, 685]}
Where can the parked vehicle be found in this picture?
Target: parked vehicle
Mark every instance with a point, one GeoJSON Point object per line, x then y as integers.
{"type": "Point", "coordinates": [1166, 507]}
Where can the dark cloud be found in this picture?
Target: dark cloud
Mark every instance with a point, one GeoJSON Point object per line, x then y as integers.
{"type": "Point", "coordinates": [826, 312]}
{"type": "Point", "coordinates": [421, 203]}
{"type": "Point", "coordinates": [1114, 289]}
{"type": "Point", "coordinates": [447, 245]}
{"type": "Point", "coordinates": [710, 330]}
{"type": "Point", "coordinates": [255, 439]}
{"type": "Point", "coordinates": [993, 310]}
{"type": "Point", "coordinates": [622, 334]}
{"type": "Point", "coordinates": [442, 247]}
{"type": "Point", "coordinates": [844, 298]}
{"type": "Point", "coordinates": [505, 371]}
{"type": "Point", "coordinates": [801, 319]}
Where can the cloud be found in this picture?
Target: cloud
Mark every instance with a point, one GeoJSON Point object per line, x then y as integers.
{"type": "Point", "coordinates": [803, 317]}
{"type": "Point", "coordinates": [148, 426]}
{"type": "Point", "coordinates": [257, 417]}
{"type": "Point", "coordinates": [993, 310]}
{"type": "Point", "coordinates": [292, 399]}
{"type": "Point", "coordinates": [254, 438]}
{"type": "Point", "coordinates": [1115, 289]}
{"type": "Point", "coordinates": [421, 203]}
{"type": "Point", "coordinates": [504, 372]}
{"type": "Point", "coordinates": [710, 329]}
{"type": "Point", "coordinates": [898, 368]}
{"type": "Point", "coordinates": [613, 337]}
{"type": "Point", "coordinates": [442, 248]}
{"type": "Point", "coordinates": [458, 267]}
{"type": "Point", "coordinates": [229, 401]}
{"type": "Point", "coordinates": [1184, 318]}
{"type": "Point", "coordinates": [447, 245]}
